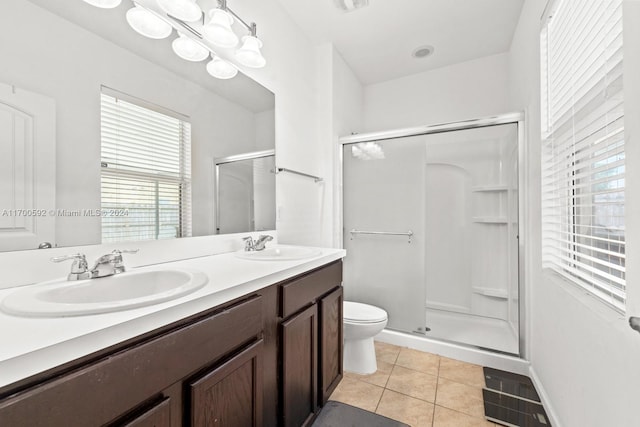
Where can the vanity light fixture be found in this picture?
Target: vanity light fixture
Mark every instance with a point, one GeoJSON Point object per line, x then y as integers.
{"type": "Point", "coordinates": [221, 69]}
{"type": "Point", "coordinates": [184, 10]}
{"type": "Point", "coordinates": [104, 4]}
{"type": "Point", "coordinates": [197, 31]}
{"type": "Point", "coordinates": [249, 54]}
{"type": "Point", "coordinates": [218, 30]}
{"type": "Point", "coordinates": [189, 49]}
{"type": "Point", "coordinates": [147, 23]}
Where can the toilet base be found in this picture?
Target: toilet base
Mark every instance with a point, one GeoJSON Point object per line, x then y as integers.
{"type": "Point", "coordinates": [360, 356]}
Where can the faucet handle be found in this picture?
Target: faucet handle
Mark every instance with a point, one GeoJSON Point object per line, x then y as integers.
{"type": "Point", "coordinates": [249, 244]}
{"type": "Point", "coordinates": [79, 268]}
{"type": "Point", "coordinates": [117, 257]}
{"type": "Point", "coordinates": [80, 262]}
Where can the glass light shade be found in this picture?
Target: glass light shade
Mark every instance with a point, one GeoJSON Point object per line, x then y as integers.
{"type": "Point", "coordinates": [221, 69]}
{"type": "Point", "coordinates": [185, 10]}
{"type": "Point", "coordinates": [189, 49]}
{"type": "Point", "coordinates": [249, 54]}
{"type": "Point", "coordinates": [105, 4]}
{"type": "Point", "coordinates": [218, 30]}
{"type": "Point", "coordinates": [148, 24]}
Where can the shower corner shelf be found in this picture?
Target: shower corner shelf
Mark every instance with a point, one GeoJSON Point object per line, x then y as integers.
{"type": "Point", "coordinates": [489, 188]}
{"type": "Point", "coordinates": [490, 292]}
{"type": "Point", "coordinates": [490, 220]}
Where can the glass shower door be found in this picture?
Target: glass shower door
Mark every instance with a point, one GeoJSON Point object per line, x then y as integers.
{"type": "Point", "coordinates": [431, 233]}
{"type": "Point", "coordinates": [471, 225]}
{"type": "Point", "coordinates": [383, 203]}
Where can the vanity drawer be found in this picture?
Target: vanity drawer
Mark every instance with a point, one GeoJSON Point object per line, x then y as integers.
{"type": "Point", "coordinates": [306, 289]}
{"type": "Point", "coordinates": [102, 391]}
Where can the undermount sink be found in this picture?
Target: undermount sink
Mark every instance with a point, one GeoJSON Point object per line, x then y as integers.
{"type": "Point", "coordinates": [280, 253]}
{"type": "Point", "coordinates": [113, 293]}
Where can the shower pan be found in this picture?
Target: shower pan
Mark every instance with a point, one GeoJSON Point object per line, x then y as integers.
{"type": "Point", "coordinates": [431, 229]}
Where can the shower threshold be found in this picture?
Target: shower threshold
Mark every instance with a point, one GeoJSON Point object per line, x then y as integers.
{"type": "Point", "coordinates": [484, 332]}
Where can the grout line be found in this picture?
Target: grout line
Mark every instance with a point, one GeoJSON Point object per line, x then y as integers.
{"type": "Point", "coordinates": [435, 398]}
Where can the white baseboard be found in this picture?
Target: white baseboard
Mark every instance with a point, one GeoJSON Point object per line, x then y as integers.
{"type": "Point", "coordinates": [544, 397]}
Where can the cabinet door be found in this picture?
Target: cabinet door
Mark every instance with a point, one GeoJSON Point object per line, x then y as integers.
{"type": "Point", "coordinates": [231, 394]}
{"type": "Point", "coordinates": [159, 415]}
{"type": "Point", "coordinates": [331, 344]}
{"type": "Point", "coordinates": [299, 340]}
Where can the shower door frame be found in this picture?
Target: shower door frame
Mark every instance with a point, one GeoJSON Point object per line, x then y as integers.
{"type": "Point", "coordinates": [517, 118]}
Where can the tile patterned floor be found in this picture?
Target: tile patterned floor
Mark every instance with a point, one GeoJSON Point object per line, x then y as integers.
{"type": "Point", "coordinates": [417, 388]}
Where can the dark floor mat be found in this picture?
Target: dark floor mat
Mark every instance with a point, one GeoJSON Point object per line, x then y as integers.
{"type": "Point", "coordinates": [510, 383]}
{"type": "Point", "coordinates": [338, 414]}
{"type": "Point", "coordinates": [511, 411]}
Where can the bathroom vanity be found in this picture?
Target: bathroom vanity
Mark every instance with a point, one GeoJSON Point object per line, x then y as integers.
{"type": "Point", "coordinates": [268, 353]}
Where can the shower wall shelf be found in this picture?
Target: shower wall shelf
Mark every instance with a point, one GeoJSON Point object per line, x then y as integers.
{"type": "Point", "coordinates": [491, 292]}
{"type": "Point", "coordinates": [490, 220]}
{"type": "Point", "coordinates": [489, 188]}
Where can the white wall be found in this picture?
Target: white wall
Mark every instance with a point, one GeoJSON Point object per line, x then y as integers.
{"type": "Point", "coordinates": [583, 355]}
{"type": "Point", "coordinates": [340, 106]}
{"type": "Point", "coordinates": [73, 75]}
{"type": "Point", "coordinates": [291, 74]}
{"type": "Point", "coordinates": [461, 91]}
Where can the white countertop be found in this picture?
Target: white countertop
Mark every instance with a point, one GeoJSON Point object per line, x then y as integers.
{"type": "Point", "coordinates": [33, 345]}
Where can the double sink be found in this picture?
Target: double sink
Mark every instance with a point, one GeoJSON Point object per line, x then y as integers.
{"type": "Point", "coordinates": [128, 290]}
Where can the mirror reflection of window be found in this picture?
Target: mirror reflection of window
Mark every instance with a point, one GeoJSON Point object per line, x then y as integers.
{"type": "Point", "coordinates": [145, 172]}
{"type": "Point", "coordinates": [246, 193]}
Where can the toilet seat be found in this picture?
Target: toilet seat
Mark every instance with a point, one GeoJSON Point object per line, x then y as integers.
{"type": "Point", "coordinates": [355, 312]}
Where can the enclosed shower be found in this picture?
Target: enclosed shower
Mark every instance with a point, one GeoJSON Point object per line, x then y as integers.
{"type": "Point", "coordinates": [430, 220]}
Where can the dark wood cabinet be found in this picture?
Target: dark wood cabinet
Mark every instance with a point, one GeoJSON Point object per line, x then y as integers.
{"type": "Point", "coordinates": [231, 394]}
{"type": "Point", "coordinates": [310, 343]}
{"type": "Point", "coordinates": [331, 343]}
{"type": "Point", "coordinates": [158, 415]}
{"type": "Point", "coordinates": [299, 336]}
{"type": "Point", "coordinates": [268, 359]}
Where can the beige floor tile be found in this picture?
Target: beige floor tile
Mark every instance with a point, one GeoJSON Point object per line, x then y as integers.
{"type": "Point", "coordinates": [460, 397]}
{"type": "Point", "coordinates": [461, 372]}
{"type": "Point", "coordinates": [415, 412]}
{"type": "Point", "coordinates": [357, 393]}
{"type": "Point", "coordinates": [419, 361]}
{"type": "Point", "coordinates": [379, 378]}
{"type": "Point", "coordinates": [413, 383]}
{"type": "Point", "coordinates": [444, 417]}
{"type": "Point", "coordinates": [386, 352]}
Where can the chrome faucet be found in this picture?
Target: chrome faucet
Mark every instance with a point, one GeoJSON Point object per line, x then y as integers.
{"type": "Point", "coordinates": [258, 244]}
{"type": "Point", "coordinates": [79, 268]}
{"type": "Point", "coordinates": [106, 265]}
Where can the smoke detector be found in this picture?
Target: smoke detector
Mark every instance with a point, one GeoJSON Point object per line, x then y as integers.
{"type": "Point", "coordinates": [350, 5]}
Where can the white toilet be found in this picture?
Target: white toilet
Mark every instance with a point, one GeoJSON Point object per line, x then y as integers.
{"type": "Point", "coordinates": [361, 323]}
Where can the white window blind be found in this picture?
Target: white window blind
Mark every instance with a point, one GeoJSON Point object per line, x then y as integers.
{"type": "Point", "coordinates": [583, 146]}
{"type": "Point", "coordinates": [145, 171]}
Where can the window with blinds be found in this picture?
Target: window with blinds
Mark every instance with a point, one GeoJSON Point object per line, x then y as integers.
{"type": "Point", "coordinates": [145, 171]}
{"type": "Point", "coordinates": [583, 169]}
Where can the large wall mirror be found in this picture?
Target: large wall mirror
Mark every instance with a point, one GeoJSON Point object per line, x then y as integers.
{"type": "Point", "coordinates": [93, 124]}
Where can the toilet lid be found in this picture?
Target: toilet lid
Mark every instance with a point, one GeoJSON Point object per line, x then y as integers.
{"type": "Point", "coordinates": [363, 313]}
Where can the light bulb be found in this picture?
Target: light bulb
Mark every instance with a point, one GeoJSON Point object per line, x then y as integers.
{"type": "Point", "coordinates": [104, 4]}
{"type": "Point", "coordinates": [218, 30]}
{"type": "Point", "coordinates": [221, 69]}
{"type": "Point", "coordinates": [185, 10]}
{"type": "Point", "coordinates": [148, 24]}
{"type": "Point", "coordinates": [249, 54]}
{"type": "Point", "coordinates": [189, 49]}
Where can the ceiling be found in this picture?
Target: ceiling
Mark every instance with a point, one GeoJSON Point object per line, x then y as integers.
{"type": "Point", "coordinates": [377, 40]}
